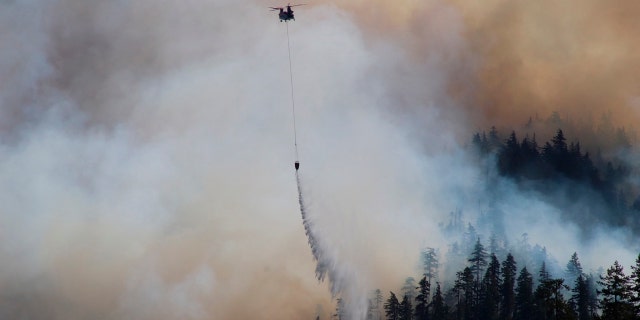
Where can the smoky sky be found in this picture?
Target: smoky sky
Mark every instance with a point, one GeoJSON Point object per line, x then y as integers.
{"type": "Point", "coordinates": [146, 156]}
{"type": "Point", "coordinates": [522, 59]}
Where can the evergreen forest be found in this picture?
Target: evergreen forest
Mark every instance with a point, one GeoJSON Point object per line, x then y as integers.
{"type": "Point", "coordinates": [519, 281]}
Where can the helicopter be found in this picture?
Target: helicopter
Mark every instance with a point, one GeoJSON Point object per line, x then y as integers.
{"type": "Point", "coordinates": [288, 14]}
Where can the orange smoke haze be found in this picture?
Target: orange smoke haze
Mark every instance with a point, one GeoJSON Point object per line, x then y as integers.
{"type": "Point", "coordinates": [524, 58]}
{"type": "Point", "coordinates": [547, 56]}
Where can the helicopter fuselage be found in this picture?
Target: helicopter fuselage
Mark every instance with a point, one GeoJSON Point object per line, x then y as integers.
{"type": "Point", "coordinates": [286, 15]}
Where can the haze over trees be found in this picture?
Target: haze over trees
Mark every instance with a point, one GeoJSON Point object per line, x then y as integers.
{"type": "Point", "coordinates": [563, 167]}
{"type": "Point", "coordinates": [498, 280]}
{"type": "Point", "coordinates": [504, 292]}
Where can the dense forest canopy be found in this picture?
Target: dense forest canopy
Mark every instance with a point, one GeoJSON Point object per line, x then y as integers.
{"type": "Point", "coordinates": [488, 288]}
{"type": "Point", "coordinates": [567, 172]}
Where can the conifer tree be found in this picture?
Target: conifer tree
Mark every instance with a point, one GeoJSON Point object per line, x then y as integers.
{"type": "Point", "coordinates": [392, 307]}
{"type": "Point", "coordinates": [573, 269]}
{"type": "Point", "coordinates": [524, 296]}
{"type": "Point", "coordinates": [635, 287]}
{"type": "Point", "coordinates": [580, 298]}
{"type": "Point", "coordinates": [422, 300]}
{"type": "Point", "coordinates": [465, 290]}
{"type": "Point", "coordinates": [430, 264]}
{"type": "Point", "coordinates": [490, 295]}
{"type": "Point", "coordinates": [507, 294]}
{"type": "Point", "coordinates": [615, 292]}
{"type": "Point", "coordinates": [594, 304]}
{"type": "Point", "coordinates": [440, 311]}
{"type": "Point", "coordinates": [543, 274]}
{"type": "Point", "coordinates": [530, 155]}
{"type": "Point", "coordinates": [478, 262]}
{"type": "Point", "coordinates": [510, 156]}
{"type": "Point", "coordinates": [406, 309]}
{"type": "Point", "coordinates": [549, 301]}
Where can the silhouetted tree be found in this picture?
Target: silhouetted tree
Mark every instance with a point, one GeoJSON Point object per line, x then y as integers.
{"type": "Point", "coordinates": [556, 153]}
{"type": "Point", "coordinates": [507, 294]}
{"type": "Point", "coordinates": [510, 158]}
{"type": "Point", "coordinates": [550, 301]}
{"type": "Point", "coordinates": [573, 269]}
{"type": "Point", "coordinates": [478, 260]}
{"type": "Point", "coordinates": [524, 296]}
{"type": "Point", "coordinates": [490, 292]}
{"type": "Point", "coordinates": [406, 309]}
{"type": "Point", "coordinates": [439, 310]}
{"type": "Point", "coordinates": [635, 287]}
{"type": "Point", "coordinates": [616, 295]}
{"type": "Point", "coordinates": [422, 300]}
{"type": "Point", "coordinates": [464, 289]}
{"type": "Point", "coordinates": [594, 304]}
{"type": "Point", "coordinates": [543, 274]}
{"type": "Point", "coordinates": [543, 295]}
{"type": "Point", "coordinates": [580, 298]}
{"type": "Point", "coordinates": [392, 307]}
{"type": "Point", "coordinates": [530, 158]}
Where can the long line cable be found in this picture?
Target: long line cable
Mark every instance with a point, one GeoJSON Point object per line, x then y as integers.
{"type": "Point", "coordinates": [293, 102]}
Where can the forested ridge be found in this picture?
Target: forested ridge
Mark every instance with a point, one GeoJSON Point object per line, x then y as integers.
{"type": "Point", "coordinates": [499, 280]}
{"type": "Point", "coordinates": [561, 167]}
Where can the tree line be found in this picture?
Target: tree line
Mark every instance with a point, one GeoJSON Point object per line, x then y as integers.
{"type": "Point", "coordinates": [489, 284]}
{"type": "Point", "coordinates": [487, 289]}
{"type": "Point", "coordinates": [564, 165]}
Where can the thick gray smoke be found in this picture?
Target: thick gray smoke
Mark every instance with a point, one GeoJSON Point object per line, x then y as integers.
{"type": "Point", "coordinates": [146, 150]}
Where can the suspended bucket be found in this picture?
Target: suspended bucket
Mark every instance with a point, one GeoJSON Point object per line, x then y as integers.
{"type": "Point", "coordinates": [297, 165]}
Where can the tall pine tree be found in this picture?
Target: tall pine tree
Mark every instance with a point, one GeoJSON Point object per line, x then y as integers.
{"type": "Point", "coordinates": [465, 291]}
{"type": "Point", "coordinates": [573, 269]}
{"type": "Point", "coordinates": [422, 299]}
{"type": "Point", "coordinates": [616, 297]}
{"type": "Point", "coordinates": [430, 264]}
{"type": "Point", "coordinates": [507, 303]}
{"type": "Point", "coordinates": [490, 295]}
{"type": "Point", "coordinates": [440, 311]}
{"type": "Point", "coordinates": [478, 261]}
{"type": "Point", "coordinates": [524, 296]}
{"type": "Point", "coordinates": [392, 307]}
{"type": "Point", "coordinates": [406, 309]}
{"type": "Point", "coordinates": [580, 298]}
{"type": "Point", "coordinates": [635, 287]}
